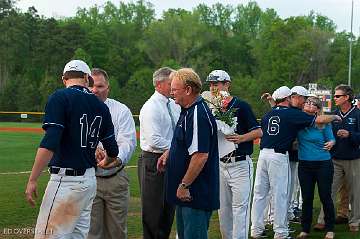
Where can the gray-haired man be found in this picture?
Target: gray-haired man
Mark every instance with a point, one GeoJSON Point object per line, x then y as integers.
{"type": "Point", "coordinates": [158, 117]}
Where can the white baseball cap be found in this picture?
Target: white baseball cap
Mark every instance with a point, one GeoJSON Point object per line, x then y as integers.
{"type": "Point", "coordinates": [77, 65]}
{"type": "Point", "coordinates": [299, 90]}
{"type": "Point", "coordinates": [281, 93]}
{"type": "Point", "coordinates": [218, 75]}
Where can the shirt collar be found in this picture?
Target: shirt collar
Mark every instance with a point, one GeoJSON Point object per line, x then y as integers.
{"type": "Point", "coordinates": [81, 88]}
{"type": "Point", "coordinates": [280, 107]}
{"type": "Point", "coordinates": [161, 97]}
{"type": "Point", "coordinates": [198, 100]}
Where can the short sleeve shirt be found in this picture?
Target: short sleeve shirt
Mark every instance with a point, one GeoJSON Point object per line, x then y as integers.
{"type": "Point", "coordinates": [84, 120]}
{"type": "Point", "coordinates": [195, 131]}
{"type": "Point", "coordinates": [246, 122]}
{"type": "Point", "coordinates": [281, 125]}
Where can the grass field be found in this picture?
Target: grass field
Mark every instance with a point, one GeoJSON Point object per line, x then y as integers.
{"type": "Point", "coordinates": [17, 151]}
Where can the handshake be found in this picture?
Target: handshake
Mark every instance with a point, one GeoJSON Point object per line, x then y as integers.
{"type": "Point", "coordinates": [104, 161]}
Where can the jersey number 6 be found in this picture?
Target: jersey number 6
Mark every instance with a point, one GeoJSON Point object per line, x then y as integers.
{"type": "Point", "coordinates": [90, 135]}
{"type": "Point", "coordinates": [273, 125]}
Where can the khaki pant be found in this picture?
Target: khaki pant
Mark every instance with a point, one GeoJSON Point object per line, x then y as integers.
{"type": "Point", "coordinates": [110, 207]}
{"type": "Point", "coordinates": [348, 170]}
{"type": "Point", "coordinates": [343, 208]}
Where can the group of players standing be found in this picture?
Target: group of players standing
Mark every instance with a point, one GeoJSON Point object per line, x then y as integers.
{"type": "Point", "coordinates": [72, 186]}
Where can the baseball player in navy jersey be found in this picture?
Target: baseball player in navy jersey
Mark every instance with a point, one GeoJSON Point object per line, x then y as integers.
{"type": "Point", "coordinates": [75, 120]}
{"type": "Point", "coordinates": [236, 168]}
{"type": "Point", "coordinates": [297, 101]}
{"type": "Point", "coordinates": [280, 127]}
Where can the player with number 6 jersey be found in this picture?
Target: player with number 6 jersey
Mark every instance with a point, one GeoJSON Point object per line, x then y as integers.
{"type": "Point", "coordinates": [75, 121]}
{"type": "Point", "coordinates": [280, 127]}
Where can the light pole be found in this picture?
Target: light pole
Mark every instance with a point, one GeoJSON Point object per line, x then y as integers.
{"type": "Point", "coordinates": [350, 49]}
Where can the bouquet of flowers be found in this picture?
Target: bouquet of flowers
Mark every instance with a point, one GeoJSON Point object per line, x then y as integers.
{"type": "Point", "coordinates": [225, 120]}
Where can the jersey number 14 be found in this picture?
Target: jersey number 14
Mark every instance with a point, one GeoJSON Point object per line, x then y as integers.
{"type": "Point", "coordinates": [90, 135]}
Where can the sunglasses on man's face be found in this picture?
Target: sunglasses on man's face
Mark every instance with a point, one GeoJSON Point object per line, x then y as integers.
{"type": "Point", "coordinates": [338, 96]}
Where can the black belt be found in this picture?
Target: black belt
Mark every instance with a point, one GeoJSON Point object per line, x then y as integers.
{"type": "Point", "coordinates": [111, 175]}
{"type": "Point", "coordinates": [227, 158]}
{"type": "Point", "coordinates": [150, 154]}
{"type": "Point", "coordinates": [68, 171]}
{"type": "Point", "coordinates": [280, 151]}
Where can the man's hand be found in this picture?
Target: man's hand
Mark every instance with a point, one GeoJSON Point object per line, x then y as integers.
{"type": "Point", "coordinates": [42, 159]}
{"type": "Point", "coordinates": [235, 138]}
{"type": "Point", "coordinates": [183, 194]}
{"type": "Point", "coordinates": [266, 96]}
{"type": "Point", "coordinates": [338, 119]}
{"type": "Point", "coordinates": [161, 163]}
{"type": "Point", "coordinates": [100, 154]}
{"type": "Point", "coordinates": [31, 189]}
{"type": "Point", "coordinates": [342, 133]}
{"type": "Point", "coordinates": [328, 145]}
{"type": "Point", "coordinates": [109, 163]}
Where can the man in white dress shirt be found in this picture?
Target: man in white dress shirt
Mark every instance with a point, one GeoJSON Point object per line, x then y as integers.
{"type": "Point", "coordinates": [158, 118]}
{"type": "Point", "coordinates": [110, 206]}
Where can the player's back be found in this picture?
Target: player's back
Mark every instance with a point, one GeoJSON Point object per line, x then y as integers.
{"type": "Point", "coordinates": [85, 120]}
{"type": "Point", "coordinates": [280, 127]}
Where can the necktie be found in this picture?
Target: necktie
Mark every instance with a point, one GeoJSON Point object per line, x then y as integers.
{"type": "Point", "coordinates": [171, 115]}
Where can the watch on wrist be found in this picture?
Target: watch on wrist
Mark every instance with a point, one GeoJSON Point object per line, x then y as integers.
{"type": "Point", "coordinates": [183, 185]}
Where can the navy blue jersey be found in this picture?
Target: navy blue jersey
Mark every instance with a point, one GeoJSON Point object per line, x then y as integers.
{"type": "Point", "coordinates": [293, 154]}
{"type": "Point", "coordinates": [195, 131]}
{"type": "Point", "coordinates": [280, 127]}
{"type": "Point", "coordinates": [83, 120]}
{"type": "Point", "coordinates": [246, 122]}
{"type": "Point", "coordinates": [347, 148]}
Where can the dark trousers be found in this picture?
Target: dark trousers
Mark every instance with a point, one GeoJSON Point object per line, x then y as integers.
{"type": "Point", "coordinates": [320, 173]}
{"type": "Point", "coordinates": [157, 214]}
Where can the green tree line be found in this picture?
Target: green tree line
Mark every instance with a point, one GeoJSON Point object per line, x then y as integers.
{"type": "Point", "coordinates": [259, 49]}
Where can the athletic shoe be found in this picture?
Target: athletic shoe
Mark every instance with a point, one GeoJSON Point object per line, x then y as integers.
{"type": "Point", "coordinates": [330, 235]}
{"type": "Point", "coordinates": [319, 227]}
{"type": "Point", "coordinates": [302, 235]}
{"type": "Point", "coordinates": [354, 228]}
{"type": "Point", "coordinates": [263, 235]}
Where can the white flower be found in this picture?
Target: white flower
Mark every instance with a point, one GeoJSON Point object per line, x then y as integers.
{"type": "Point", "coordinates": [224, 94]}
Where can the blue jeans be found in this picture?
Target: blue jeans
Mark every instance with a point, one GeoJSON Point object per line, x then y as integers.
{"type": "Point", "coordinates": [192, 223]}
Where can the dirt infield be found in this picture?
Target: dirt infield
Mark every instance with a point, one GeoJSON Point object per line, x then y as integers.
{"type": "Point", "coordinates": [19, 129]}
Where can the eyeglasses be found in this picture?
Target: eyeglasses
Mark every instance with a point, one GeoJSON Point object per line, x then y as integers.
{"type": "Point", "coordinates": [174, 89]}
{"type": "Point", "coordinates": [338, 96]}
{"type": "Point", "coordinates": [311, 103]}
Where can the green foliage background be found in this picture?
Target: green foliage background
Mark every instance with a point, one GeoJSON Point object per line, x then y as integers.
{"type": "Point", "coordinates": [260, 50]}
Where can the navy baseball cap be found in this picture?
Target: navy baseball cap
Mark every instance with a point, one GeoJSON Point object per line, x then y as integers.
{"type": "Point", "coordinates": [218, 76]}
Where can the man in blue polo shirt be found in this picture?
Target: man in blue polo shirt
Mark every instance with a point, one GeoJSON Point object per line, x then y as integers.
{"type": "Point", "coordinates": [75, 121]}
{"type": "Point", "coordinates": [346, 154]}
{"type": "Point", "coordinates": [192, 173]}
{"type": "Point", "coordinates": [280, 127]}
